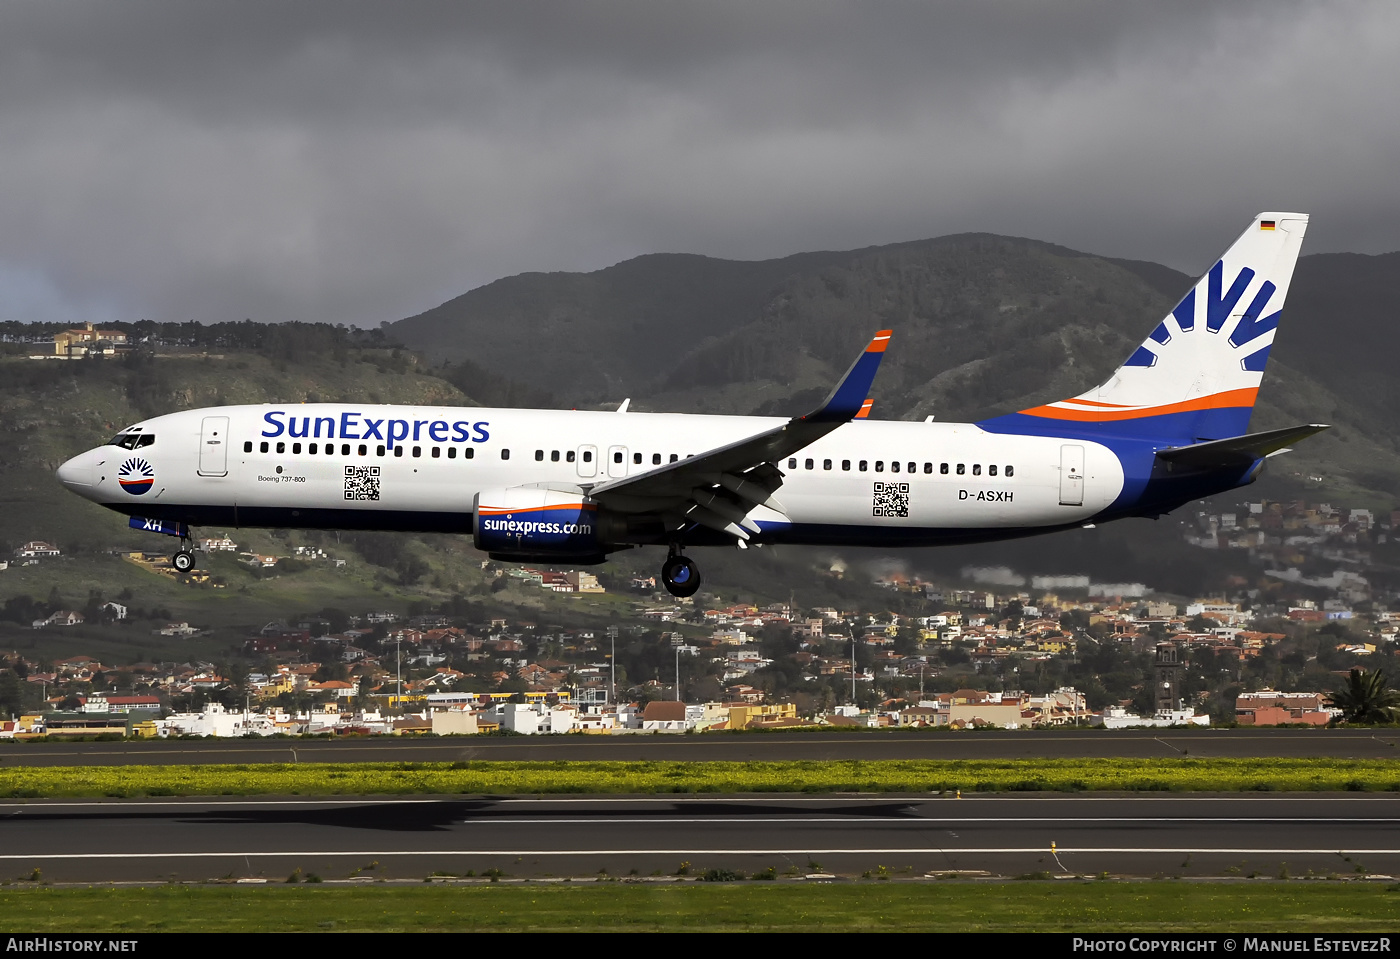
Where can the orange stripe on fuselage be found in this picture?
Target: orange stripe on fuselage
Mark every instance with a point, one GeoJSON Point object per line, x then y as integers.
{"type": "Point", "coordinates": [882, 340]}
{"type": "Point", "coordinates": [497, 511]}
{"type": "Point", "coordinates": [1216, 401]}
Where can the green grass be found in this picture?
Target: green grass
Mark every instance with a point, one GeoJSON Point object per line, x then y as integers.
{"type": "Point", "coordinates": [884, 907]}
{"type": "Point", "coordinates": [514, 778]}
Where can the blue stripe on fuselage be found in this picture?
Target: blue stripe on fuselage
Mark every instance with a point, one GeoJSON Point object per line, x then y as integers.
{"type": "Point", "coordinates": [1148, 488]}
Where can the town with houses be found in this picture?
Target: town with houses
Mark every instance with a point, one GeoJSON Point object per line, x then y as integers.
{"type": "Point", "coordinates": [999, 650]}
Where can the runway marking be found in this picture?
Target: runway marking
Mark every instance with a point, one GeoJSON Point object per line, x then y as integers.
{"type": "Point", "coordinates": [802, 851]}
{"type": "Point", "coordinates": [885, 820]}
{"type": "Point", "coordinates": [123, 804]}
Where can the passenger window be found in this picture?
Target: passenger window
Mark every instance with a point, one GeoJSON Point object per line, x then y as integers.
{"type": "Point", "coordinates": [296, 447]}
{"type": "Point", "coordinates": [281, 447]}
{"type": "Point", "coordinates": [248, 446]}
{"type": "Point", "coordinates": [398, 451]}
{"type": "Point", "coordinates": [863, 466]}
{"type": "Point", "coordinates": [961, 469]}
{"type": "Point", "coordinates": [539, 456]}
{"type": "Point", "coordinates": [554, 456]}
{"type": "Point", "coordinates": [674, 458]}
{"type": "Point", "coordinates": [976, 469]}
{"type": "Point", "coordinates": [452, 452]}
{"type": "Point", "coordinates": [846, 465]}
{"type": "Point", "coordinates": [364, 450]}
{"type": "Point", "coordinates": [894, 467]}
{"type": "Point", "coordinates": [437, 452]}
{"type": "Point", "coordinates": [992, 470]}
{"type": "Point", "coordinates": [617, 457]}
{"type": "Point", "coordinates": [913, 467]}
{"type": "Point", "coordinates": [468, 453]}
{"type": "Point", "coordinates": [943, 469]}
{"type": "Point", "coordinates": [928, 467]}
{"type": "Point", "coordinates": [311, 449]}
{"type": "Point", "coordinates": [809, 464]}
{"type": "Point", "coordinates": [379, 451]}
{"type": "Point", "coordinates": [588, 456]}
{"type": "Point", "coordinates": [655, 459]}
{"type": "Point", "coordinates": [792, 464]}
{"type": "Point", "coordinates": [417, 451]}
{"type": "Point", "coordinates": [505, 454]}
{"type": "Point", "coordinates": [1011, 471]}
{"type": "Point", "coordinates": [344, 449]}
{"type": "Point", "coordinates": [569, 456]}
{"type": "Point", "coordinates": [826, 464]}
{"type": "Point", "coordinates": [879, 466]}
{"type": "Point", "coordinates": [636, 459]}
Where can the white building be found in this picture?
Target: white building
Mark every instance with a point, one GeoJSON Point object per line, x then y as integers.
{"type": "Point", "coordinates": [535, 719]}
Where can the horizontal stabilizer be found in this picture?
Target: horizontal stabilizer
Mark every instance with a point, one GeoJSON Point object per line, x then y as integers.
{"type": "Point", "coordinates": [1239, 450]}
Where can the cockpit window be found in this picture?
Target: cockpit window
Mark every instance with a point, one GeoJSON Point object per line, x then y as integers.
{"type": "Point", "coordinates": [132, 441]}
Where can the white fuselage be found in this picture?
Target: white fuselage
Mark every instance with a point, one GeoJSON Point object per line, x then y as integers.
{"type": "Point", "coordinates": [288, 465]}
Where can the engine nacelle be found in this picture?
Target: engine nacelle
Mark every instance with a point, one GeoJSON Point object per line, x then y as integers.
{"type": "Point", "coordinates": [529, 524]}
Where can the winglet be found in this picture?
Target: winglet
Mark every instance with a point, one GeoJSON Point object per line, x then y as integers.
{"type": "Point", "coordinates": [847, 401]}
{"type": "Point", "coordinates": [865, 409]}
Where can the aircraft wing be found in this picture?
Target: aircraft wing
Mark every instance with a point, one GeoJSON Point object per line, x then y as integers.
{"type": "Point", "coordinates": [720, 487]}
{"type": "Point", "coordinates": [1239, 450]}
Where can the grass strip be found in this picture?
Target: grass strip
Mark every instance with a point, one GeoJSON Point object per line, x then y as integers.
{"type": "Point", "coordinates": [524, 778]}
{"type": "Point", "coordinates": [1090, 906]}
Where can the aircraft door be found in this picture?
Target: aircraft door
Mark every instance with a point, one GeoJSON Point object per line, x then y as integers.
{"type": "Point", "coordinates": [617, 461]}
{"type": "Point", "coordinates": [213, 446]}
{"type": "Point", "coordinates": [587, 460]}
{"type": "Point", "coordinates": [1071, 476]}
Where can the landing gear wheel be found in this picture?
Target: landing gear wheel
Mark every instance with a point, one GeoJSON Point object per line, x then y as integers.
{"type": "Point", "coordinates": [183, 561]}
{"type": "Point", "coordinates": [680, 576]}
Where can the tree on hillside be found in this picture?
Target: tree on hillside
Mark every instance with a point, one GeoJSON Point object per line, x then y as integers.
{"type": "Point", "coordinates": [1366, 698]}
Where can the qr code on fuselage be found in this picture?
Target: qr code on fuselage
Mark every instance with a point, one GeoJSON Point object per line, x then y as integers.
{"type": "Point", "coordinates": [891, 499]}
{"type": "Point", "coordinates": [362, 482]}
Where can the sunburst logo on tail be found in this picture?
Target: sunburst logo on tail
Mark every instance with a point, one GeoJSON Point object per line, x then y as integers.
{"type": "Point", "coordinates": [136, 475]}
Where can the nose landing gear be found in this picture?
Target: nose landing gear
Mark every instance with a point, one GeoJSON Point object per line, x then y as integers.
{"type": "Point", "coordinates": [182, 561]}
{"type": "Point", "coordinates": [679, 575]}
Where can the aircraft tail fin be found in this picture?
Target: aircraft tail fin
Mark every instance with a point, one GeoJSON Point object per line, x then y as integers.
{"type": "Point", "coordinates": [1197, 374]}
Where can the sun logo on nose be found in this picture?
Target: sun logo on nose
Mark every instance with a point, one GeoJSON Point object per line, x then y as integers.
{"type": "Point", "coordinates": [136, 475]}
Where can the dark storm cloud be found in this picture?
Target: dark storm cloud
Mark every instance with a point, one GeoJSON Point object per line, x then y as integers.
{"type": "Point", "coordinates": [359, 162]}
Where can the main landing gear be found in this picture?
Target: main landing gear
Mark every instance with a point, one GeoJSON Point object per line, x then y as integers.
{"type": "Point", "coordinates": [679, 575]}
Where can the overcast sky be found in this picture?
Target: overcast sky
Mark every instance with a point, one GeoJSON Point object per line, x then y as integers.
{"type": "Point", "coordinates": [359, 162]}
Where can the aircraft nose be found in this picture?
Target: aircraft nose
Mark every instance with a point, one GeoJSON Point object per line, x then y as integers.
{"type": "Point", "coordinates": [77, 472]}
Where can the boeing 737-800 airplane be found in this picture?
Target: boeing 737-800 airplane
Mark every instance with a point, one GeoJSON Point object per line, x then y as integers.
{"type": "Point", "coordinates": [545, 486]}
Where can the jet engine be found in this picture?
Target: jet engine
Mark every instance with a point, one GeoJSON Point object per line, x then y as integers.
{"type": "Point", "coordinates": [531, 524]}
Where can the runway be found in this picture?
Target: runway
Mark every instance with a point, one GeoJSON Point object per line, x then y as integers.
{"type": "Point", "coordinates": [815, 745]}
{"type": "Point", "coordinates": [650, 838]}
